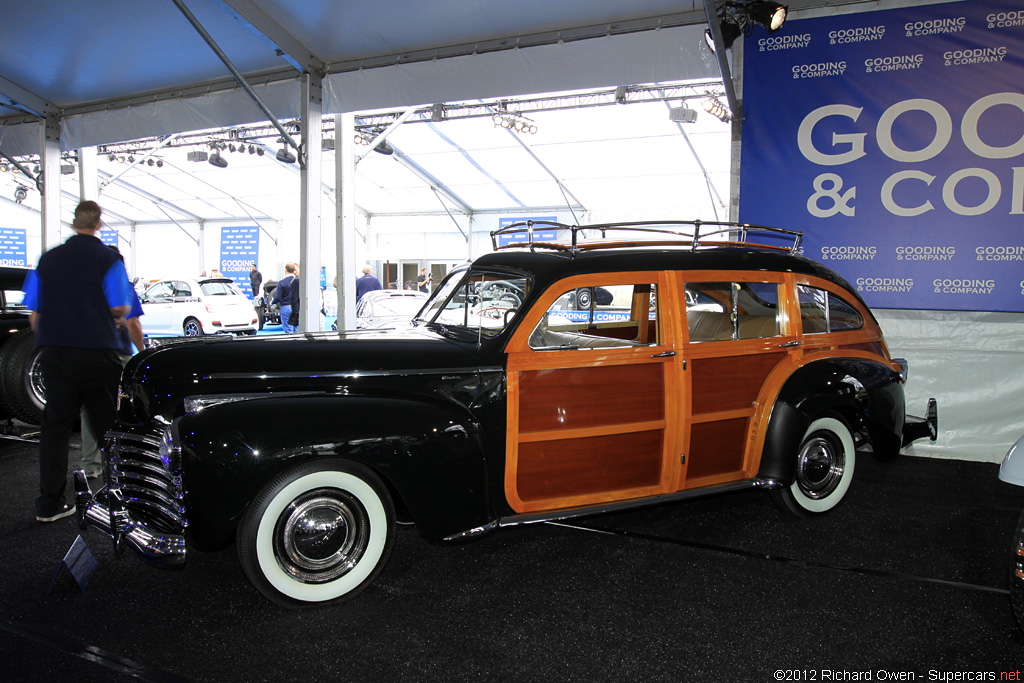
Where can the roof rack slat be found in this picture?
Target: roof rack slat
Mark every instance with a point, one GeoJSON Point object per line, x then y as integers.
{"type": "Point", "coordinates": [738, 234]}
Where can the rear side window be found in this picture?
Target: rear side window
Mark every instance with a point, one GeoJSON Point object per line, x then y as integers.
{"type": "Point", "coordinates": [822, 311]}
{"type": "Point", "coordinates": [717, 311]}
{"type": "Point", "coordinates": [607, 316]}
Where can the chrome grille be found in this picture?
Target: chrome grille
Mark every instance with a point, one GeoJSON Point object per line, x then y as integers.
{"type": "Point", "coordinates": [145, 467]}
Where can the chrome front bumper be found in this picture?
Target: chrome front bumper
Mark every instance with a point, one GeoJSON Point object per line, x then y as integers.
{"type": "Point", "coordinates": [105, 510]}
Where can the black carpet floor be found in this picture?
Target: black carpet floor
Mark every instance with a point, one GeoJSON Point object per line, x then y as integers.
{"type": "Point", "coordinates": [907, 577]}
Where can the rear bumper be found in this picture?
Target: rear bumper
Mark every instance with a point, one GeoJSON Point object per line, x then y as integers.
{"type": "Point", "coordinates": [915, 428]}
{"type": "Point", "coordinates": [105, 511]}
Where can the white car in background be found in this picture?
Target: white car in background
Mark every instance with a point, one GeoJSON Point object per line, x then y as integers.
{"type": "Point", "coordinates": [194, 307]}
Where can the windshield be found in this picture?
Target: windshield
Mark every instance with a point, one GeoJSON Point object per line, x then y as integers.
{"type": "Point", "coordinates": [405, 306]}
{"type": "Point", "coordinates": [484, 302]}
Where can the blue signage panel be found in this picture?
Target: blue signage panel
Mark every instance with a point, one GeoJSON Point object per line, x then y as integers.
{"type": "Point", "coordinates": [13, 249]}
{"type": "Point", "coordinates": [895, 141]}
{"type": "Point", "coordinates": [239, 249]}
{"type": "Point", "coordinates": [548, 235]}
{"type": "Point", "coordinates": [109, 237]}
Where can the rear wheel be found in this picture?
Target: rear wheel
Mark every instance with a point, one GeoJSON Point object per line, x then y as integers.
{"type": "Point", "coordinates": [320, 532]}
{"type": "Point", "coordinates": [824, 469]}
{"type": "Point", "coordinates": [21, 379]}
{"type": "Point", "coordinates": [192, 328]}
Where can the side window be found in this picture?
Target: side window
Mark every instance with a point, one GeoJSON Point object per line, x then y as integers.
{"type": "Point", "coordinates": [611, 316]}
{"type": "Point", "coordinates": [717, 311]}
{"type": "Point", "coordinates": [161, 290]}
{"type": "Point", "coordinates": [182, 289]}
{"type": "Point", "coordinates": [822, 311]}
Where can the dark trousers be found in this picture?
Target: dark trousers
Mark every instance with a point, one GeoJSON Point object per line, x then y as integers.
{"type": "Point", "coordinates": [74, 379]}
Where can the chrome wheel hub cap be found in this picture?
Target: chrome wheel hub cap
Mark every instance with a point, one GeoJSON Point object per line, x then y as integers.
{"type": "Point", "coordinates": [321, 535]}
{"type": "Point", "coordinates": [820, 466]}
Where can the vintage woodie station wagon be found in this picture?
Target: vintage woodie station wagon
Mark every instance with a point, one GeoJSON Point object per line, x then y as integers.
{"type": "Point", "coordinates": [625, 365]}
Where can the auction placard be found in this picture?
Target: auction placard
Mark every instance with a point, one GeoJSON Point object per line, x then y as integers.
{"type": "Point", "coordinates": [239, 249]}
{"type": "Point", "coordinates": [894, 140]}
{"type": "Point", "coordinates": [13, 247]}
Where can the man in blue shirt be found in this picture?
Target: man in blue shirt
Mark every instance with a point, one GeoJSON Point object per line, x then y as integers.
{"type": "Point", "coordinates": [366, 283]}
{"type": "Point", "coordinates": [286, 297]}
{"type": "Point", "coordinates": [78, 296]}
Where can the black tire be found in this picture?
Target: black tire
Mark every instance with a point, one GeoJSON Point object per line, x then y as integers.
{"type": "Point", "coordinates": [353, 520]}
{"type": "Point", "coordinates": [21, 380]}
{"type": "Point", "coordinates": [1017, 572]}
{"type": "Point", "coordinates": [260, 315]}
{"type": "Point", "coordinates": [192, 328]}
{"type": "Point", "coordinates": [824, 469]}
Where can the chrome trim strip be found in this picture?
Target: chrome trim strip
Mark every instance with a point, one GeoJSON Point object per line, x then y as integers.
{"type": "Point", "coordinates": [533, 518]}
{"type": "Point", "coordinates": [472, 533]}
{"type": "Point", "coordinates": [352, 374]}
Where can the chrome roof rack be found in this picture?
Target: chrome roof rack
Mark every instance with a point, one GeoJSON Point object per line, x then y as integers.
{"type": "Point", "coordinates": [659, 233]}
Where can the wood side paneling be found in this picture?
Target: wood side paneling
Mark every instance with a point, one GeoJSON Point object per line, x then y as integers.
{"type": "Point", "coordinates": [575, 398]}
{"type": "Point", "coordinates": [716, 448]}
{"type": "Point", "coordinates": [730, 382]}
{"type": "Point", "coordinates": [575, 467]}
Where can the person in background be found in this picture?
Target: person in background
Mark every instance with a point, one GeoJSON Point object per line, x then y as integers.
{"type": "Point", "coordinates": [255, 279]}
{"type": "Point", "coordinates": [294, 292]}
{"type": "Point", "coordinates": [283, 295]}
{"type": "Point", "coordinates": [423, 281]}
{"type": "Point", "coordinates": [77, 297]}
{"type": "Point", "coordinates": [128, 336]}
{"type": "Point", "coordinates": [366, 283]}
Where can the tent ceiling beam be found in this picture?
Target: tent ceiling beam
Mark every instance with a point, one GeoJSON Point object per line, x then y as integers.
{"type": "Point", "coordinates": [14, 96]}
{"type": "Point", "coordinates": [475, 164]}
{"type": "Point", "coordinates": [270, 32]}
{"type": "Point", "coordinates": [240, 79]}
{"type": "Point", "coordinates": [434, 183]}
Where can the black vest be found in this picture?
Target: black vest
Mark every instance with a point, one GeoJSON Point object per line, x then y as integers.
{"type": "Point", "coordinates": [73, 310]}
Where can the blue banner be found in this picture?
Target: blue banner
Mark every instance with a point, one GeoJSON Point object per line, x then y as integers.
{"type": "Point", "coordinates": [109, 237]}
{"type": "Point", "coordinates": [13, 247]}
{"type": "Point", "coordinates": [239, 249]}
{"type": "Point", "coordinates": [549, 235]}
{"type": "Point", "coordinates": [895, 141]}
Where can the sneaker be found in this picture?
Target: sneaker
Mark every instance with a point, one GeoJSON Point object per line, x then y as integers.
{"type": "Point", "coordinates": [63, 511]}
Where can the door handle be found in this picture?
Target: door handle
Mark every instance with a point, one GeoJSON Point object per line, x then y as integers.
{"type": "Point", "coordinates": [792, 343]}
{"type": "Point", "coordinates": [664, 354]}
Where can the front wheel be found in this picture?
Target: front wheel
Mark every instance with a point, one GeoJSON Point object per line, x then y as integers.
{"type": "Point", "coordinates": [1017, 573]}
{"type": "Point", "coordinates": [824, 469]}
{"type": "Point", "coordinates": [22, 391]}
{"type": "Point", "coordinates": [317, 533]}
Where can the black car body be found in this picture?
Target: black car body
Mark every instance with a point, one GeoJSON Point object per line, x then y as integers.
{"type": "Point", "coordinates": [22, 394]}
{"type": "Point", "coordinates": [514, 397]}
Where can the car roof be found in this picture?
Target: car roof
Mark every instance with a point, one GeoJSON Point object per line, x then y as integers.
{"type": "Point", "coordinates": [548, 266]}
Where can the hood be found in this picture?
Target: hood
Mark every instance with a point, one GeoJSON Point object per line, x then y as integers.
{"type": "Point", "coordinates": [157, 381]}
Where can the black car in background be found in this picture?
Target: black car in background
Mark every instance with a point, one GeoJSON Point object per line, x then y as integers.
{"type": "Point", "coordinates": [267, 310]}
{"type": "Point", "coordinates": [22, 395]}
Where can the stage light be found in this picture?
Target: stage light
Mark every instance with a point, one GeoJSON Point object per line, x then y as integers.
{"type": "Point", "coordinates": [384, 148]}
{"type": "Point", "coordinates": [20, 193]}
{"type": "Point", "coordinates": [217, 160]}
{"type": "Point", "coordinates": [682, 114]}
{"type": "Point", "coordinates": [770, 15]}
{"type": "Point", "coordinates": [730, 32]}
{"type": "Point", "coordinates": [713, 106]}
{"type": "Point", "coordinates": [284, 156]}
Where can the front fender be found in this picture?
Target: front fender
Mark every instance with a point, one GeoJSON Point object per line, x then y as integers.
{"type": "Point", "coordinates": [1012, 468]}
{"type": "Point", "coordinates": [428, 451]}
{"type": "Point", "coordinates": [867, 393]}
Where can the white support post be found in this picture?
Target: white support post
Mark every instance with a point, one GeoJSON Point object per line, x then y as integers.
{"type": "Point", "coordinates": [345, 216]}
{"type": "Point", "coordinates": [49, 155]}
{"type": "Point", "coordinates": [202, 247]}
{"type": "Point", "coordinates": [310, 215]}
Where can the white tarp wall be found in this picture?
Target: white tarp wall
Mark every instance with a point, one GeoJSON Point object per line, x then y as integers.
{"type": "Point", "coordinates": [973, 364]}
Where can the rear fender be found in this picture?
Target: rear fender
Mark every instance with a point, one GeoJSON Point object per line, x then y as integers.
{"type": "Point", "coordinates": [866, 393]}
{"type": "Point", "coordinates": [428, 452]}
